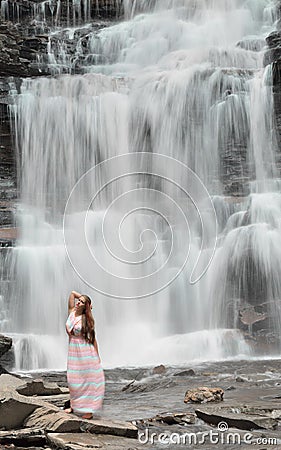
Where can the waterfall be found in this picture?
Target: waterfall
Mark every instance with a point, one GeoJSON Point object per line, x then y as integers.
{"type": "Point", "coordinates": [179, 78]}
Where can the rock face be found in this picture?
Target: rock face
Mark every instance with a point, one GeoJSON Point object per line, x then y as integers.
{"type": "Point", "coordinates": [5, 344]}
{"type": "Point", "coordinates": [41, 14]}
{"type": "Point", "coordinates": [273, 55]}
{"type": "Point", "coordinates": [8, 185]}
{"type": "Point", "coordinates": [11, 62]}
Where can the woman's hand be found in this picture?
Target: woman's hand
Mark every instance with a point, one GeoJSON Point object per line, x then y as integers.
{"type": "Point", "coordinates": [71, 300]}
{"type": "Point", "coordinates": [76, 294]}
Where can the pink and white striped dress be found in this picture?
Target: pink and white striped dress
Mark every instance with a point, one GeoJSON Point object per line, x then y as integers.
{"type": "Point", "coordinates": [85, 375]}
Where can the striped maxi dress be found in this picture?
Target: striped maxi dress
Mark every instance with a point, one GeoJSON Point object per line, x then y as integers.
{"type": "Point", "coordinates": [85, 375]}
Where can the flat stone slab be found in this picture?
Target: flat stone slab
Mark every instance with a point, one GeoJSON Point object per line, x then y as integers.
{"type": "Point", "coordinates": [39, 387]}
{"type": "Point", "coordinates": [113, 427]}
{"type": "Point", "coordinates": [81, 441]}
{"type": "Point", "coordinates": [53, 420]}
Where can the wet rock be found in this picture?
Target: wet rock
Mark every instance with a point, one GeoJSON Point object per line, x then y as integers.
{"type": "Point", "coordinates": [249, 316]}
{"type": "Point", "coordinates": [129, 386]}
{"type": "Point", "coordinates": [240, 380]}
{"type": "Point", "coordinates": [273, 55]}
{"type": "Point", "coordinates": [6, 243]}
{"type": "Point", "coordinates": [5, 344]}
{"type": "Point", "coordinates": [185, 373]}
{"type": "Point", "coordinates": [203, 395]}
{"type": "Point", "coordinates": [252, 43]}
{"type": "Point", "coordinates": [159, 370]}
{"type": "Point", "coordinates": [17, 52]}
{"type": "Point", "coordinates": [39, 387]}
{"type": "Point", "coordinates": [135, 386]}
{"type": "Point", "coordinates": [169, 419]}
{"type": "Point", "coordinates": [233, 420]}
{"type": "Point", "coordinates": [3, 371]}
{"type": "Point", "coordinates": [8, 236]}
{"type": "Point", "coordinates": [38, 15]}
{"type": "Point", "coordinates": [274, 47]}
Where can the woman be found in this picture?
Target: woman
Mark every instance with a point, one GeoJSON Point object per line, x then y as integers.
{"type": "Point", "coordinates": [85, 376]}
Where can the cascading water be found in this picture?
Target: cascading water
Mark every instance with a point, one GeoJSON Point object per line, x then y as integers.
{"type": "Point", "coordinates": [184, 79]}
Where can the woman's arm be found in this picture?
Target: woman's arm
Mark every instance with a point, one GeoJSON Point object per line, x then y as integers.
{"type": "Point", "coordinates": [71, 300]}
{"type": "Point", "coordinates": [96, 347]}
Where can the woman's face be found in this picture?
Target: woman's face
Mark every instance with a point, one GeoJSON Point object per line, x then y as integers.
{"type": "Point", "coordinates": [80, 304]}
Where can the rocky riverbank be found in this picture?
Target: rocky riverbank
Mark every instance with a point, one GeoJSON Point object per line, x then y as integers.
{"type": "Point", "coordinates": [206, 403]}
{"type": "Point", "coordinates": [143, 406]}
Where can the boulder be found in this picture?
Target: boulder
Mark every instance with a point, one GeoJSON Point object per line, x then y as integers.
{"type": "Point", "coordinates": [159, 370]}
{"type": "Point", "coordinates": [203, 395]}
